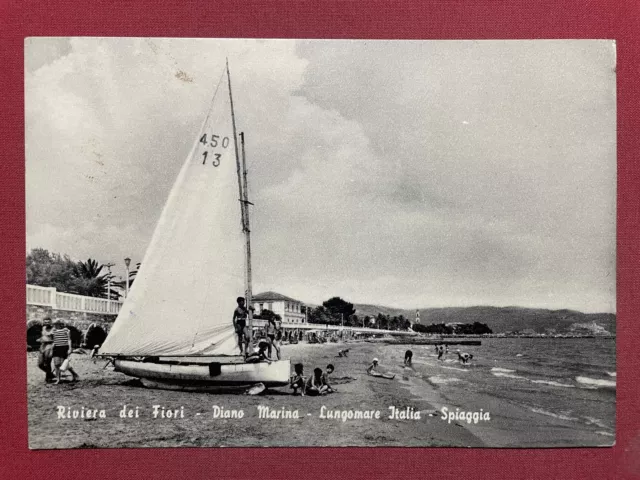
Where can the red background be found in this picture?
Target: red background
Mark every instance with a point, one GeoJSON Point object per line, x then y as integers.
{"type": "Point", "coordinates": [409, 19]}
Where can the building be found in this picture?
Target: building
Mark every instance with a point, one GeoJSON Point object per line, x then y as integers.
{"type": "Point", "coordinates": [291, 311]}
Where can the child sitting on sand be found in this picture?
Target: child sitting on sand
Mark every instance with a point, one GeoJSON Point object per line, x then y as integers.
{"type": "Point", "coordinates": [373, 371]}
{"type": "Point", "coordinates": [297, 379]}
{"type": "Point", "coordinates": [373, 367]}
{"type": "Point", "coordinates": [315, 384]}
{"type": "Point", "coordinates": [325, 378]}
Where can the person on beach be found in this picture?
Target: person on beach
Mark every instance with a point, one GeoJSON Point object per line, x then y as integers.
{"type": "Point", "coordinates": [45, 355]}
{"type": "Point", "coordinates": [440, 351]}
{"type": "Point", "coordinates": [259, 354]}
{"type": "Point", "coordinates": [464, 358]}
{"type": "Point", "coordinates": [343, 353]}
{"type": "Point", "coordinates": [408, 356]}
{"type": "Point", "coordinates": [61, 350]}
{"type": "Point", "coordinates": [373, 371]}
{"type": "Point", "coordinates": [315, 384]}
{"type": "Point", "coordinates": [94, 352]}
{"type": "Point", "coordinates": [272, 331]}
{"type": "Point", "coordinates": [240, 317]}
{"type": "Point", "coordinates": [373, 368]}
{"type": "Point", "coordinates": [325, 378]}
{"type": "Point", "coordinates": [297, 380]}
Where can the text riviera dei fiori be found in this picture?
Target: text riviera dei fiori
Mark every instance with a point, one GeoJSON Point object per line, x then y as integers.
{"type": "Point", "coordinates": [265, 412]}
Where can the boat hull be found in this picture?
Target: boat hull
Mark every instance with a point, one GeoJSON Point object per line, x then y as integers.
{"type": "Point", "coordinates": [206, 377]}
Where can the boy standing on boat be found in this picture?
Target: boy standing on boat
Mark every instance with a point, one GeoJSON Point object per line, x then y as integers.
{"type": "Point", "coordinates": [272, 332]}
{"type": "Point", "coordinates": [240, 319]}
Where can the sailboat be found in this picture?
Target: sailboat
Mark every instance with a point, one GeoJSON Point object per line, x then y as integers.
{"type": "Point", "coordinates": [175, 328]}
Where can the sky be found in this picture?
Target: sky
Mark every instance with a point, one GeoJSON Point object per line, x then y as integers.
{"type": "Point", "coordinates": [399, 173]}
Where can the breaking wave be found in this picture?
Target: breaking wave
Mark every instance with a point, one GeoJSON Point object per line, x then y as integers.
{"type": "Point", "coordinates": [437, 380]}
{"type": "Point", "coordinates": [596, 383]}
{"type": "Point", "coordinates": [508, 375]}
{"type": "Point", "coordinates": [551, 414]}
{"type": "Point", "coordinates": [595, 421]}
{"type": "Point", "coordinates": [553, 384]}
{"type": "Point", "coordinates": [503, 370]}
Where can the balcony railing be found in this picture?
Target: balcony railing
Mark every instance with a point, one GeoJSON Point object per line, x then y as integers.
{"type": "Point", "coordinates": [50, 297]}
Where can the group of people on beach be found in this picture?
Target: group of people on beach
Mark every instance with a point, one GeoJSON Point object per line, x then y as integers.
{"type": "Point", "coordinates": [265, 347]}
{"type": "Point", "coordinates": [316, 384]}
{"type": "Point", "coordinates": [463, 357]}
{"type": "Point", "coordinates": [55, 347]}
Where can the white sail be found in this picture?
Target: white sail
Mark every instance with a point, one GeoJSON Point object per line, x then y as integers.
{"type": "Point", "coordinates": [185, 292]}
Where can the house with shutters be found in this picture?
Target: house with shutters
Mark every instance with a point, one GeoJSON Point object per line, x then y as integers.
{"type": "Point", "coordinates": [291, 311]}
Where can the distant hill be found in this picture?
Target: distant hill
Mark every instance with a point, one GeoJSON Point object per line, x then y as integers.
{"type": "Point", "coordinates": [362, 310]}
{"type": "Point", "coordinates": [506, 319]}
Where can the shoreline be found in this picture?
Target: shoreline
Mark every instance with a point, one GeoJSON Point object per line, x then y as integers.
{"type": "Point", "coordinates": [412, 391]}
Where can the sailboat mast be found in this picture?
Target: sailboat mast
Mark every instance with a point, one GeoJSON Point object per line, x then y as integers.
{"type": "Point", "coordinates": [235, 146]}
{"type": "Point", "coordinates": [246, 203]}
{"type": "Point", "coordinates": [244, 210]}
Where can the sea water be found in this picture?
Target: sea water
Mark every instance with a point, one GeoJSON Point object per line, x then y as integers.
{"type": "Point", "coordinates": [569, 381]}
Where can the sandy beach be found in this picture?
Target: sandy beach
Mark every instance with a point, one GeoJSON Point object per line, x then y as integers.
{"type": "Point", "coordinates": [104, 389]}
{"type": "Point", "coordinates": [425, 388]}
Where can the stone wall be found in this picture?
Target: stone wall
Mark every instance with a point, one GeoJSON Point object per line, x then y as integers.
{"type": "Point", "coordinates": [80, 320]}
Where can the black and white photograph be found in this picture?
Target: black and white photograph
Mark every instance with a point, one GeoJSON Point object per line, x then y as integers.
{"type": "Point", "coordinates": [308, 243]}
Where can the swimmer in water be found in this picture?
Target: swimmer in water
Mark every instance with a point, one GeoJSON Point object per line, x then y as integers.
{"type": "Point", "coordinates": [465, 358]}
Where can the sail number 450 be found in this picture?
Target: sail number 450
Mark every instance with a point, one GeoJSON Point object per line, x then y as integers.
{"type": "Point", "coordinates": [213, 141]}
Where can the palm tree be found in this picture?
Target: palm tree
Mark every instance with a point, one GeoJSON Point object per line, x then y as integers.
{"type": "Point", "coordinates": [88, 279]}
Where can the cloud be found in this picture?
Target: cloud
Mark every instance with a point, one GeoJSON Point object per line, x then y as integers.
{"type": "Point", "coordinates": [399, 173]}
{"type": "Point", "coordinates": [109, 124]}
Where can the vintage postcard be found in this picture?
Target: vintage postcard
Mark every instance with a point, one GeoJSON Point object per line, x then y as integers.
{"type": "Point", "coordinates": [246, 242]}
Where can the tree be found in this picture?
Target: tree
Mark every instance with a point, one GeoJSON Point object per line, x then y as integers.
{"type": "Point", "coordinates": [88, 279]}
{"type": "Point", "coordinates": [420, 328]}
{"type": "Point", "coordinates": [50, 270]}
{"type": "Point", "coordinates": [322, 316]}
{"type": "Point", "coordinates": [404, 323]}
{"type": "Point", "coordinates": [439, 328]}
{"type": "Point", "coordinates": [476, 328]}
{"type": "Point", "coordinates": [60, 272]}
{"type": "Point", "coordinates": [336, 307]}
{"type": "Point", "coordinates": [352, 321]}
